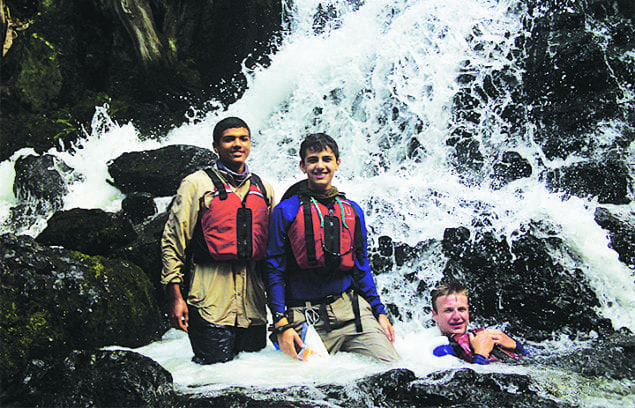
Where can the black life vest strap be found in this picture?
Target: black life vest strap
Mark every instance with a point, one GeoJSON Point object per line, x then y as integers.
{"type": "Point", "coordinates": [355, 301]}
{"type": "Point", "coordinates": [359, 244]}
{"type": "Point", "coordinates": [218, 183]}
{"type": "Point", "coordinates": [222, 189]}
{"type": "Point", "coordinates": [257, 181]}
{"type": "Point", "coordinates": [308, 231]}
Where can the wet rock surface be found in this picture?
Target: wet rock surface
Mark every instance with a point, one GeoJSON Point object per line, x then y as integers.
{"type": "Point", "coordinates": [54, 301]}
{"type": "Point", "coordinates": [92, 232]}
{"type": "Point", "coordinates": [158, 172]}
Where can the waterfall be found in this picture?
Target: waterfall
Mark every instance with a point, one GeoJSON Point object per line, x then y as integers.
{"type": "Point", "coordinates": [383, 77]}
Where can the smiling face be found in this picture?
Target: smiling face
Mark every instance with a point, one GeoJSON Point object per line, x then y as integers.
{"type": "Point", "coordinates": [320, 167]}
{"type": "Point", "coordinates": [233, 148]}
{"type": "Point", "coordinates": [452, 314]}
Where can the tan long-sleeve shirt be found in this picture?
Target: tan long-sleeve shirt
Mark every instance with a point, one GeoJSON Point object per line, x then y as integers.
{"type": "Point", "coordinates": [224, 292]}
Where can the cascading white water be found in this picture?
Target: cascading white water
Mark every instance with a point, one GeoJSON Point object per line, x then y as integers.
{"type": "Point", "coordinates": [381, 80]}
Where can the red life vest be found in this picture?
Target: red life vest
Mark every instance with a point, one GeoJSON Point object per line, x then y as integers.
{"type": "Point", "coordinates": [318, 233]}
{"type": "Point", "coordinates": [233, 228]}
{"type": "Point", "coordinates": [461, 345]}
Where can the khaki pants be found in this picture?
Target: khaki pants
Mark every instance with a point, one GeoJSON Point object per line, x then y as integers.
{"type": "Point", "coordinates": [343, 335]}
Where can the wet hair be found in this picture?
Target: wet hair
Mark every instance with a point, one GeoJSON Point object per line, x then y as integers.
{"type": "Point", "coordinates": [447, 289]}
{"type": "Point", "coordinates": [317, 142]}
{"type": "Point", "coordinates": [231, 122]}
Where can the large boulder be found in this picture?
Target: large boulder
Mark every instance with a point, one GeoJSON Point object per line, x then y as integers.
{"type": "Point", "coordinates": [139, 207]}
{"type": "Point", "coordinates": [90, 231]}
{"type": "Point", "coordinates": [529, 286]}
{"type": "Point", "coordinates": [40, 183]}
{"type": "Point", "coordinates": [42, 177]}
{"type": "Point", "coordinates": [609, 180]}
{"type": "Point", "coordinates": [393, 389]}
{"type": "Point", "coordinates": [145, 252]}
{"type": "Point", "coordinates": [102, 378]}
{"type": "Point", "coordinates": [569, 82]}
{"type": "Point", "coordinates": [160, 171]}
{"type": "Point", "coordinates": [610, 357]}
{"type": "Point", "coordinates": [53, 301]}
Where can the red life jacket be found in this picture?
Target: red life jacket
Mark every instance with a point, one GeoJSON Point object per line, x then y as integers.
{"type": "Point", "coordinates": [232, 228]}
{"type": "Point", "coordinates": [461, 345]}
{"type": "Point", "coordinates": [319, 234]}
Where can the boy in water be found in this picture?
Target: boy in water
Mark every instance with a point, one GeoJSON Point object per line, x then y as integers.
{"type": "Point", "coordinates": [224, 312]}
{"type": "Point", "coordinates": [317, 264]}
{"type": "Point", "coordinates": [451, 312]}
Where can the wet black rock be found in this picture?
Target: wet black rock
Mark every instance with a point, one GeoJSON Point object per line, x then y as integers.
{"type": "Point", "coordinates": [468, 157]}
{"type": "Point", "coordinates": [525, 285]}
{"type": "Point", "coordinates": [465, 387]}
{"type": "Point", "coordinates": [40, 184]}
{"type": "Point", "coordinates": [610, 357]}
{"type": "Point", "coordinates": [92, 232]}
{"type": "Point", "coordinates": [139, 206]}
{"type": "Point", "coordinates": [41, 178]}
{"type": "Point", "coordinates": [512, 166]}
{"type": "Point", "coordinates": [381, 258]}
{"type": "Point", "coordinates": [609, 181]}
{"type": "Point", "coordinates": [104, 378]}
{"type": "Point", "coordinates": [158, 172]}
{"type": "Point", "coordinates": [569, 85]}
{"type": "Point", "coordinates": [53, 301]}
{"type": "Point", "coordinates": [398, 388]}
{"type": "Point", "coordinates": [621, 229]}
{"type": "Point", "coordinates": [145, 252]}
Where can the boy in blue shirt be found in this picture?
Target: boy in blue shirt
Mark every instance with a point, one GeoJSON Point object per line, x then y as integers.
{"type": "Point", "coordinates": [317, 264]}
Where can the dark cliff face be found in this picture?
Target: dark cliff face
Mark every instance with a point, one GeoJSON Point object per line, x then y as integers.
{"type": "Point", "coordinates": [150, 62]}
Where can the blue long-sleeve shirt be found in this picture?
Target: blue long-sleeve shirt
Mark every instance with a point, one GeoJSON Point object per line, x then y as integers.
{"type": "Point", "coordinates": [287, 282]}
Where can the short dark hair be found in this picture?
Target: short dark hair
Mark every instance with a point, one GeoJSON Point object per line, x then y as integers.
{"type": "Point", "coordinates": [231, 122]}
{"type": "Point", "coordinates": [317, 142]}
{"type": "Point", "coordinates": [447, 289]}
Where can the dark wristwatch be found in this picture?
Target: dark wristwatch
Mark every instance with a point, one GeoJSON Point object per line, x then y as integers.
{"type": "Point", "coordinates": [277, 316]}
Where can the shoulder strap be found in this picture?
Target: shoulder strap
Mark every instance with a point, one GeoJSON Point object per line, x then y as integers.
{"type": "Point", "coordinates": [218, 183]}
{"type": "Point", "coordinates": [308, 231]}
{"type": "Point", "coordinates": [257, 181]}
{"type": "Point", "coordinates": [359, 243]}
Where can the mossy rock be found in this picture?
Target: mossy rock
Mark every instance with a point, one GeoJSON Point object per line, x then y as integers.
{"type": "Point", "coordinates": [39, 80]}
{"type": "Point", "coordinates": [54, 301]}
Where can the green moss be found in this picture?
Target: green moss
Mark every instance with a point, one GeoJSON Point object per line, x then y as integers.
{"type": "Point", "coordinates": [186, 70]}
{"type": "Point", "coordinates": [89, 302]}
{"type": "Point", "coordinates": [128, 302]}
{"type": "Point", "coordinates": [85, 108]}
{"type": "Point", "coordinates": [39, 80]}
{"type": "Point", "coordinates": [26, 331]}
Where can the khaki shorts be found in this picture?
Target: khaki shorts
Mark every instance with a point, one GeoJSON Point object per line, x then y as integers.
{"type": "Point", "coordinates": [340, 334]}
